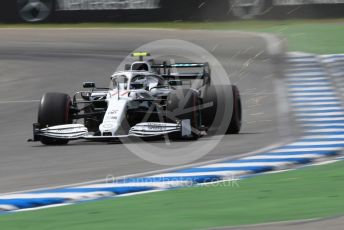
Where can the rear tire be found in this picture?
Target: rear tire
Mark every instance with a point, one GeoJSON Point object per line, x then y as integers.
{"type": "Point", "coordinates": [54, 110]}
{"type": "Point", "coordinates": [183, 104]}
{"type": "Point", "coordinates": [236, 120]}
{"type": "Point", "coordinates": [222, 112]}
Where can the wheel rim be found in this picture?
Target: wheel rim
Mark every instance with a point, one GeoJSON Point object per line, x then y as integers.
{"type": "Point", "coordinates": [34, 10]}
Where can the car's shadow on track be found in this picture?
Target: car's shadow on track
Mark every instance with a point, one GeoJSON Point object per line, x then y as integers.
{"type": "Point", "coordinates": [156, 140]}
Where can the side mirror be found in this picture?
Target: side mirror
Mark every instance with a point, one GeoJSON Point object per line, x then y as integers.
{"type": "Point", "coordinates": [88, 85]}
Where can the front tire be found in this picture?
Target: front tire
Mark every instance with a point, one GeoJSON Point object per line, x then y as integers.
{"type": "Point", "coordinates": [54, 110]}
{"type": "Point", "coordinates": [183, 104]}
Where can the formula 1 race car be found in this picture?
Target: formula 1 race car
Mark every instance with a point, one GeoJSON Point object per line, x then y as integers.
{"type": "Point", "coordinates": [144, 100]}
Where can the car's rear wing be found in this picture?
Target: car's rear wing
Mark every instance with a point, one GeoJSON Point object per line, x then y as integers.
{"type": "Point", "coordinates": [166, 69]}
{"type": "Point", "coordinates": [180, 65]}
{"type": "Point", "coordinates": [183, 76]}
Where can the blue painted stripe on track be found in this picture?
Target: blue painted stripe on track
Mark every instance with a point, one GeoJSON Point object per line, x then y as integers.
{"type": "Point", "coordinates": [293, 76]}
{"type": "Point", "coordinates": [311, 96]}
{"type": "Point", "coordinates": [291, 160]}
{"type": "Point", "coordinates": [305, 139]}
{"type": "Point", "coordinates": [301, 81]}
{"type": "Point", "coordinates": [294, 72]}
{"type": "Point", "coordinates": [291, 61]}
{"type": "Point", "coordinates": [324, 122]}
{"type": "Point", "coordinates": [302, 56]}
{"type": "Point", "coordinates": [325, 153]}
{"type": "Point", "coordinates": [319, 68]}
{"type": "Point", "coordinates": [317, 117]}
{"type": "Point", "coordinates": [32, 202]}
{"type": "Point", "coordinates": [328, 127]}
{"type": "Point", "coordinates": [317, 106]}
{"type": "Point", "coordinates": [321, 111]}
{"type": "Point", "coordinates": [302, 60]}
{"type": "Point", "coordinates": [194, 179]}
{"type": "Point", "coordinates": [316, 100]}
{"type": "Point", "coordinates": [308, 86]}
{"type": "Point", "coordinates": [312, 146]}
{"type": "Point", "coordinates": [295, 69]}
{"type": "Point", "coordinates": [305, 70]}
{"type": "Point", "coordinates": [211, 169]}
{"type": "Point", "coordinates": [325, 133]}
{"type": "Point", "coordinates": [309, 65]}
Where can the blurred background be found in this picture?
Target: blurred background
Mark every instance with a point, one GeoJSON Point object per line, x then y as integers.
{"type": "Point", "coordinates": [157, 10]}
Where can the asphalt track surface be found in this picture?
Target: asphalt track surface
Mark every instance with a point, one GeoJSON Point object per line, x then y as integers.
{"type": "Point", "coordinates": [35, 61]}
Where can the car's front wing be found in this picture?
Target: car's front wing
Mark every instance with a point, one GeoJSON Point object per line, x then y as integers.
{"type": "Point", "coordinates": [79, 131]}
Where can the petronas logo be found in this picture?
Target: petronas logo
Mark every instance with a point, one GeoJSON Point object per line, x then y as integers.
{"type": "Point", "coordinates": [247, 9]}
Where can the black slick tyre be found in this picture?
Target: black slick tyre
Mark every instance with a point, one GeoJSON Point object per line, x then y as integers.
{"type": "Point", "coordinates": [236, 120]}
{"type": "Point", "coordinates": [54, 110]}
{"type": "Point", "coordinates": [183, 104]}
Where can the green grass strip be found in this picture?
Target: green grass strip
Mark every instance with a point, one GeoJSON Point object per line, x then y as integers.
{"type": "Point", "coordinates": [300, 194]}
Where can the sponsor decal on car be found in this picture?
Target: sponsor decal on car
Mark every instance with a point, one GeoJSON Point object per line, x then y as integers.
{"type": "Point", "coordinates": [111, 112]}
{"type": "Point", "coordinates": [107, 4]}
{"type": "Point", "coordinates": [107, 126]}
{"type": "Point", "coordinates": [156, 126]}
